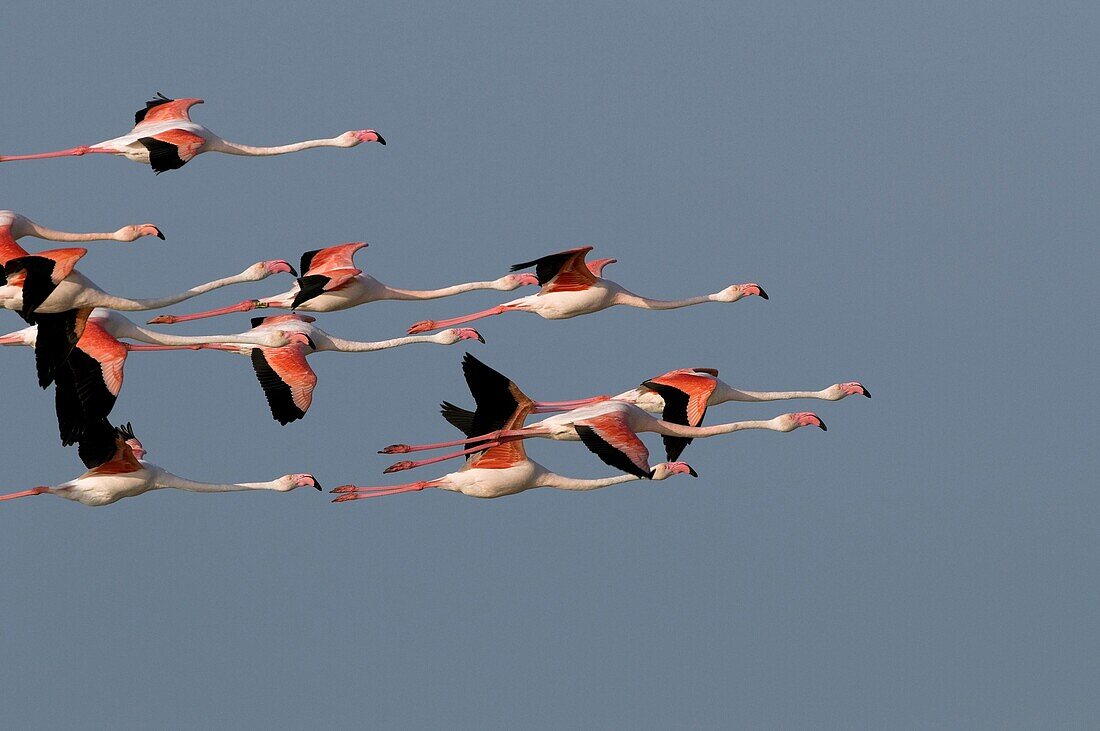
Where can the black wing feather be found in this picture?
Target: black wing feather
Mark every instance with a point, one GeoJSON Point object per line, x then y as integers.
{"type": "Point", "coordinates": [546, 267]}
{"type": "Point", "coordinates": [279, 398]}
{"type": "Point", "coordinates": [139, 115]}
{"type": "Point", "coordinates": [162, 155]}
{"type": "Point", "coordinates": [675, 411]}
{"type": "Point", "coordinates": [307, 259]}
{"type": "Point", "coordinates": [607, 453]}
{"type": "Point", "coordinates": [308, 288]}
{"type": "Point", "coordinates": [57, 336]}
{"type": "Point", "coordinates": [98, 444]}
{"type": "Point", "coordinates": [38, 285]}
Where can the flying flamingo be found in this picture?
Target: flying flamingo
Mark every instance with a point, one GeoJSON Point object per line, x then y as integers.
{"type": "Point", "coordinates": [608, 428]}
{"type": "Point", "coordinates": [14, 226]}
{"type": "Point", "coordinates": [165, 138]}
{"type": "Point", "coordinates": [682, 397]}
{"type": "Point", "coordinates": [117, 469]}
{"type": "Point", "coordinates": [504, 469]}
{"type": "Point", "coordinates": [330, 281]}
{"type": "Point", "coordinates": [90, 379]}
{"type": "Point", "coordinates": [59, 300]}
{"type": "Point", "coordinates": [284, 374]}
{"type": "Point", "coordinates": [570, 288]}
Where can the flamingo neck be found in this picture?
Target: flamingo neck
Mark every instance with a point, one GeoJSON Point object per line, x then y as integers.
{"type": "Point", "coordinates": [676, 430]}
{"type": "Point", "coordinates": [358, 346]}
{"type": "Point", "coordinates": [724, 393]}
{"type": "Point", "coordinates": [233, 148]}
{"type": "Point", "coordinates": [550, 479]}
{"type": "Point", "coordinates": [166, 480]}
{"type": "Point", "coordinates": [126, 304]}
{"type": "Point", "coordinates": [394, 293]}
{"type": "Point", "coordinates": [624, 297]}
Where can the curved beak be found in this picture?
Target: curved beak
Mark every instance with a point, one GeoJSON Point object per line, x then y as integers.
{"type": "Point", "coordinates": [692, 472]}
{"type": "Point", "coordinates": [763, 294]}
{"type": "Point", "coordinates": [381, 139]}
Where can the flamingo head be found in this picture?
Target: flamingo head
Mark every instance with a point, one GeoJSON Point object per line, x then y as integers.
{"type": "Point", "coordinates": [26, 336]}
{"type": "Point", "coordinates": [358, 136]}
{"type": "Point", "coordinates": [735, 292]}
{"type": "Point", "coordinates": [265, 269]}
{"type": "Point", "coordinates": [135, 232]}
{"type": "Point", "coordinates": [851, 388]}
{"type": "Point", "coordinates": [457, 334]}
{"type": "Point", "coordinates": [291, 482]}
{"type": "Point", "coordinates": [514, 281]}
{"type": "Point", "coordinates": [596, 266]}
{"type": "Point", "coordinates": [127, 434]}
{"type": "Point", "coordinates": [294, 337]}
{"type": "Point", "coordinates": [668, 469]}
{"type": "Point", "coordinates": [790, 422]}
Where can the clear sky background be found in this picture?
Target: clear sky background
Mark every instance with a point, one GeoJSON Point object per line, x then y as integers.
{"type": "Point", "coordinates": [915, 187]}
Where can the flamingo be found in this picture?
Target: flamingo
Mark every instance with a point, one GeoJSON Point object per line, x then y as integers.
{"type": "Point", "coordinates": [570, 288]}
{"type": "Point", "coordinates": [14, 226]}
{"type": "Point", "coordinates": [330, 281]}
{"type": "Point", "coordinates": [165, 138]}
{"type": "Point", "coordinates": [59, 299]}
{"type": "Point", "coordinates": [117, 469]}
{"type": "Point", "coordinates": [90, 379]}
{"type": "Point", "coordinates": [285, 376]}
{"type": "Point", "coordinates": [680, 396]}
{"type": "Point", "coordinates": [608, 428]}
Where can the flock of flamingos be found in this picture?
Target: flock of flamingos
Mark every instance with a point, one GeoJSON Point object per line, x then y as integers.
{"type": "Point", "coordinates": [81, 343]}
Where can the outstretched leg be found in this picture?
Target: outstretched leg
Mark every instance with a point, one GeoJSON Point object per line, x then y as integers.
{"type": "Point", "coordinates": [351, 492]}
{"type": "Point", "coordinates": [25, 493]}
{"type": "Point", "coordinates": [426, 325]}
{"type": "Point", "coordinates": [246, 306]}
{"type": "Point", "coordinates": [545, 407]}
{"type": "Point", "coordinates": [71, 152]}
{"type": "Point", "coordinates": [491, 436]}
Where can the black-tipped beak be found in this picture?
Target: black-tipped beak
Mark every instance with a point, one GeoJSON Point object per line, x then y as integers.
{"type": "Point", "coordinates": [381, 139]}
{"type": "Point", "coordinates": [293, 271]}
{"type": "Point", "coordinates": [481, 338]}
{"type": "Point", "coordinates": [866, 392]}
{"type": "Point", "coordinates": [763, 294]}
{"type": "Point", "coordinates": [160, 234]}
{"type": "Point", "coordinates": [692, 472]}
{"type": "Point", "coordinates": [317, 484]}
{"type": "Point", "coordinates": [312, 345]}
{"type": "Point", "coordinates": [822, 425]}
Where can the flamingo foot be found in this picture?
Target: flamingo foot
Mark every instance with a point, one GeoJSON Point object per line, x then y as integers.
{"type": "Point", "coordinates": [396, 449]}
{"type": "Point", "coordinates": [422, 327]}
{"type": "Point", "coordinates": [399, 467]}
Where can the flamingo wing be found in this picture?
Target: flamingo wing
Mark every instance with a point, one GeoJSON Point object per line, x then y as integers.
{"type": "Point", "coordinates": [685, 396]}
{"type": "Point", "coordinates": [89, 382]}
{"type": "Point", "coordinates": [39, 274]}
{"type": "Point", "coordinates": [161, 109]}
{"type": "Point", "coordinates": [330, 259]}
{"type": "Point", "coordinates": [104, 451]}
{"type": "Point", "coordinates": [9, 249]}
{"type": "Point", "coordinates": [171, 149]}
{"type": "Point", "coordinates": [287, 381]}
{"type": "Point", "coordinates": [611, 439]}
{"type": "Point", "coordinates": [274, 320]}
{"type": "Point", "coordinates": [58, 333]}
{"type": "Point", "coordinates": [562, 272]}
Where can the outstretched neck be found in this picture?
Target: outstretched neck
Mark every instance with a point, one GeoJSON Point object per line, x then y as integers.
{"type": "Point", "coordinates": [233, 148]}
{"type": "Point", "coordinates": [394, 293]}
{"type": "Point", "coordinates": [550, 479]}
{"type": "Point", "coordinates": [164, 480]}
{"type": "Point", "coordinates": [359, 346]}
{"type": "Point", "coordinates": [625, 297]}
{"type": "Point", "coordinates": [727, 393]}
{"type": "Point", "coordinates": [23, 226]}
{"type": "Point", "coordinates": [669, 429]}
{"type": "Point", "coordinates": [126, 304]}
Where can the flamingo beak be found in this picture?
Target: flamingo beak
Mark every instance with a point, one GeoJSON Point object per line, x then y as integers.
{"type": "Point", "coordinates": [160, 234]}
{"type": "Point", "coordinates": [692, 472]}
{"type": "Point", "coordinates": [866, 392]}
{"type": "Point", "coordinates": [762, 293]}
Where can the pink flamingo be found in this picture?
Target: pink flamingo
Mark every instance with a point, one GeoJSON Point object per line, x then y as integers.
{"type": "Point", "coordinates": [90, 379]}
{"type": "Point", "coordinates": [59, 299]}
{"type": "Point", "coordinates": [285, 376]}
{"type": "Point", "coordinates": [504, 469]}
{"type": "Point", "coordinates": [117, 469]}
{"type": "Point", "coordinates": [330, 281]}
{"type": "Point", "coordinates": [570, 288]}
{"type": "Point", "coordinates": [165, 138]}
{"type": "Point", "coordinates": [14, 226]}
{"type": "Point", "coordinates": [608, 428]}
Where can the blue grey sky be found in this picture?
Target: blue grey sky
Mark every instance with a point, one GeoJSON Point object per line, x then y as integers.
{"type": "Point", "coordinates": [915, 185]}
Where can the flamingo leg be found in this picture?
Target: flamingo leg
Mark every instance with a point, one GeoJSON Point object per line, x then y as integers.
{"type": "Point", "coordinates": [25, 493]}
{"type": "Point", "coordinates": [411, 464]}
{"type": "Point", "coordinates": [426, 325]}
{"type": "Point", "coordinates": [351, 492]}
{"type": "Point", "coordinates": [246, 306]}
{"type": "Point", "coordinates": [71, 152]}
{"type": "Point", "coordinates": [491, 436]}
{"type": "Point", "coordinates": [135, 346]}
